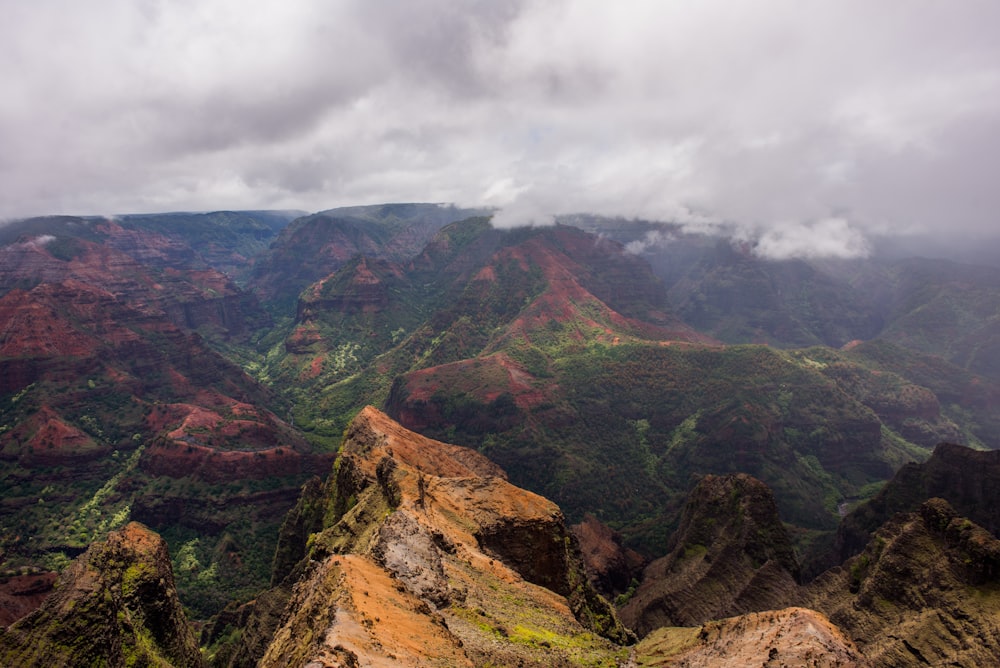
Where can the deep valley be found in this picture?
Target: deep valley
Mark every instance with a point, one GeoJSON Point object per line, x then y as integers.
{"type": "Point", "coordinates": [399, 435]}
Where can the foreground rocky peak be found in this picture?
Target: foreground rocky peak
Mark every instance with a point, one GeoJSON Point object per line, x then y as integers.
{"type": "Point", "coordinates": [115, 605]}
{"type": "Point", "coordinates": [427, 555]}
{"type": "Point", "coordinates": [730, 554]}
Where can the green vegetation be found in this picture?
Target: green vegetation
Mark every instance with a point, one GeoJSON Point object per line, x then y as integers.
{"type": "Point", "coordinates": [543, 348]}
{"type": "Point", "coordinates": [622, 427]}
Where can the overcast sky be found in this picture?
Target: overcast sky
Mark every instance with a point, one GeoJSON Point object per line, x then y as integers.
{"type": "Point", "coordinates": [805, 125]}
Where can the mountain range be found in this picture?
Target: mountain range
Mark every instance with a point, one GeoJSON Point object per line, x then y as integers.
{"type": "Point", "coordinates": [632, 413]}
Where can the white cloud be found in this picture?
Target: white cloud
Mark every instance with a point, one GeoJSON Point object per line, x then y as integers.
{"type": "Point", "coordinates": [715, 114]}
{"type": "Point", "coordinates": [831, 237]}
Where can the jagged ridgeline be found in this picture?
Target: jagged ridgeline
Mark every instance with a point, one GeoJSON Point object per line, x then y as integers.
{"type": "Point", "coordinates": [191, 371]}
{"type": "Point", "coordinates": [557, 354]}
{"type": "Point", "coordinates": [416, 552]}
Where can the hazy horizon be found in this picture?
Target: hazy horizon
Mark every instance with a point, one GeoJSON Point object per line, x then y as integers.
{"type": "Point", "coordinates": [809, 129]}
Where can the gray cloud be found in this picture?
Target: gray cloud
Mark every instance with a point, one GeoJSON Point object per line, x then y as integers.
{"type": "Point", "coordinates": [803, 126]}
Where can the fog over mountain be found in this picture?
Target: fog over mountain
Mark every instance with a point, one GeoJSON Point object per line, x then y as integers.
{"type": "Point", "coordinates": [810, 129]}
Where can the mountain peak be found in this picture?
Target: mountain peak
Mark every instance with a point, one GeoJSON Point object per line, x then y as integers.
{"type": "Point", "coordinates": [730, 554]}
{"type": "Point", "coordinates": [115, 605]}
{"type": "Point", "coordinates": [433, 558]}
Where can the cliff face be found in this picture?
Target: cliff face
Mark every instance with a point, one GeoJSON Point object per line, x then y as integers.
{"type": "Point", "coordinates": [964, 477]}
{"type": "Point", "coordinates": [611, 566]}
{"type": "Point", "coordinates": [730, 554]}
{"type": "Point", "coordinates": [148, 280]}
{"type": "Point", "coordinates": [428, 556]}
{"type": "Point", "coordinates": [115, 605]}
{"type": "Point", "coordinates": [923, 592]}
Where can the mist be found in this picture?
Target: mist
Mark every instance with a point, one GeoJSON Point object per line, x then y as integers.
{"type": "Point", "coordinates": [809, 129]}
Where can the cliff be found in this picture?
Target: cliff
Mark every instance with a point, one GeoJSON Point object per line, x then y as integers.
{"type": "Point", "coordinates": [426, 555]}
{"type": "Point", "coordinates": [923, 592]}
{"type": "Point", "coordinates": [114, 606]}
{"type": "Point", "coordinates": [966, 478]}
{"type": "Point", "coordinates": [730, 555]}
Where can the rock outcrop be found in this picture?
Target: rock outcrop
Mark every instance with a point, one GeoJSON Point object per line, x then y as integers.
{"type": "Point", "coordinates": [426, 555]}
{"type": "Point", "coordinates": [966, 478]}
{"type": "Point", "coordinates": [923, 592]}
{"type": "Point", "coordinates": [788, 638]}
{"type": "Point", "coordinates": [730, 555]}
{"type": "Point", "coordinates": [114, 606]}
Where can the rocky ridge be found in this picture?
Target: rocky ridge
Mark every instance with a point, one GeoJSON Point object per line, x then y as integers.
{"type": "Point", "coordinates": [431, 558]}
{"type": "Point", "coordinates": [730, 555]}
{"type": "Point", "coordinates": [923, 592]}
{"type": "Point", "coordinates": [116, 605]}
{"type": "Point", "coordinates": [966, 478]}
{"type": "Point", "coordinates": [787, 638]}
{"type": "Point", "coordinates": [416, 552]}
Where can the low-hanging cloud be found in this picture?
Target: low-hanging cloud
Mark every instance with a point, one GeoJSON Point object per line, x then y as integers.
{"type": "Point", "coordinates": [803, 127]}
{"type": "Point", "coordinates": [831, 237]}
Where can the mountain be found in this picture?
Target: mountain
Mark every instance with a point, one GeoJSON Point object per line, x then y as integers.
{"type": "Point", "coordinates": [556, 353]}
{"type": "Point", "coordinates": [423, 554]}
{"type": "Point", "coordinates": [226, 241]}
{"type": "Point", "coordinates": [671, 394]}
{"type": "Point", "coordinates": [417, 552]}
{"type": "Point", "coordinates": [191, 295]}
{"type": "Point", "coordinates": [739, 298]}
{"type": "Point", "coordinates": [222, 240]}
{"type": "Point", "coordinates": [313, 246]}
{"type": "Point", "coordinates": [730, 555]}
{"type": "Point", "coordinates": [965, 478]}
{"type": "Point", "coordinates": [116, 605]}
{"type": "Point", "coordinates": [923, 592]}
{"type": "Point", "coordinates": [941, 307]}
{"type": "Point", "coordinates": [115, 407]}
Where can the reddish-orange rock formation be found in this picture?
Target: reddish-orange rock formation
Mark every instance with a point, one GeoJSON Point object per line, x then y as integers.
{"type": "Point", "coordinates": [788, 638]}
{"type": "Point", "coordinates": [435, 559]}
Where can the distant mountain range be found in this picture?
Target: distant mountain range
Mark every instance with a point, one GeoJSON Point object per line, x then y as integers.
{"type": "Point", "coordinates": [192, 371]}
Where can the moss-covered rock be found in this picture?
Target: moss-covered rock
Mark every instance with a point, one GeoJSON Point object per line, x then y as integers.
{"type": "Point", "coordinates": [115, 605]}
